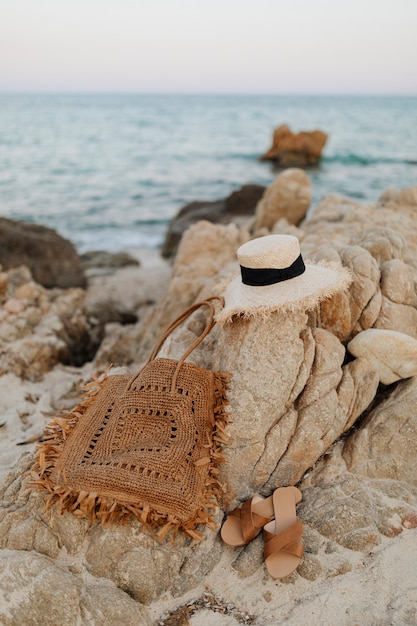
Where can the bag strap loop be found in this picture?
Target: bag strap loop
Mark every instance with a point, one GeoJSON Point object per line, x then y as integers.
{"type": "Point", "coordinates": [180, 319]}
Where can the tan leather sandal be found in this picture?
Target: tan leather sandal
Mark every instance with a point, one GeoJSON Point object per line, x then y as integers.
{"type": "Point", "coordinates": [283, 535]}
{"type": "Point", "coordinates": [246, 522]}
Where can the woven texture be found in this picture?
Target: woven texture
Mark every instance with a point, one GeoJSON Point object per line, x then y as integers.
{"type": "Point", "coordinates": [146, 446]}
{"type": "Point", "coordinates": [304, 292]}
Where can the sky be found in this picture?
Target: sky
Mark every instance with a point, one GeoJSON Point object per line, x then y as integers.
{"type": "Point", "coordinates": [209, 46]}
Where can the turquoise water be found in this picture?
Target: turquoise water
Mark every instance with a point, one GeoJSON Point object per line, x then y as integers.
{"type": "Point", "coordinates": [109, 171]}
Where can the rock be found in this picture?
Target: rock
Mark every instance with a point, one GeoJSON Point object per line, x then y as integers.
{"type": "Point", "coordinates": [288, 197]}
{"type": "Point", "coordinates": [294, 398]}
{"type": "Point", "coordinates": [397, 282]}
{"type": "Point", "coordinates": [51, 259]}
{"type": "Point", "coordinates": [331, 401]}
{"type": "Point", "coordinates": [206, 254]}
{"type": "Point", "coordinates": [349, 312]}
{"type": "Point", "coordinates": [131, 559]}
{"type": "Point", "coordinates": [400, 317]}
{"type": "Point", "coordinates": [384, 244]}
{"type": "Point", "coordinates": [240, 203]}
{"type": "Point", "coordinates": [393, 355]}
{"type": "Point", "coordinates": [120, 344]}
{"type": "Point", "coordinates": [356, 390]}
{"type": "Point", "coordinates": [37, 591]}
{"type": "Point", "coordinates": [26, 407]}
{"type": "Point", "coordinates": [365, 488]}
{"type": "Point", "coordinates": [264, 361]}
{"type": "Point", "coordinates": [384, 446]}
{"type": "Point", "coordinates": [124, 295]}
{"type": "Point", "coordinates": [356, 513]}
{"type": "Point", "coordinates": [243, 201]}
{"type": "Point", "coordinates": [40, 327]}
{"type": "Point", "coordinates": [100, 261]}
{"type": "Point", "coordinates": [295, 149]}
{"type": "Point", "coordinates": [339, 220]}
{"type": "Point", "coordinates": [394, 197]}
{"type": "Point", "coordinates": [290, 399]}
{"type": "Point", "coordinates": [121, 304]}
{"type": "Point", "coordinates": [382, 298]}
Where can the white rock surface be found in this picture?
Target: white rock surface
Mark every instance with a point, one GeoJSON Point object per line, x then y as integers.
{"type": "Point", "coordinates": [392, 354]}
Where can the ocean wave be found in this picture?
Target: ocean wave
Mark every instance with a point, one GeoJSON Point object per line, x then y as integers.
{"type": "Point", "coordinates": [242, 156]}
{"type": "Point", "coordinates": [151, 222]}
{"type": "Point", "coordinates": [358, 159]}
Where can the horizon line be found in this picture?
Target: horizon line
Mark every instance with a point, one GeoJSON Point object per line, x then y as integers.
{"type": "Point", "coordinates": [75, 92]}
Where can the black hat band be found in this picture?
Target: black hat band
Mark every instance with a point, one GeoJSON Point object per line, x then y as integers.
{"type": "Point", "coordinates": [260, 277]}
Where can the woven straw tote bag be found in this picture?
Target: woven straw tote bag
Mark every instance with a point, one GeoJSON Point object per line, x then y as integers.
{"type": "Point", "coordinates": [145, 445]}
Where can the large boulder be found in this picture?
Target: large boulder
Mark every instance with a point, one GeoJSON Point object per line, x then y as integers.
{"type": "Point", "coordinates": [288, 197]}
{"type": "Point", "coordinates": [52, 259]}
{"type": "Point", "coordinates": [295, 149]}
{"type": "Point", "coordinates": [290, 397]}
{"type": "Point", "coordinates": [240, 203]}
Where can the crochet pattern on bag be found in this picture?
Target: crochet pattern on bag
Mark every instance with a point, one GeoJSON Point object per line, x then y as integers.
{"type": "Point", "coordinates": [148, 449]}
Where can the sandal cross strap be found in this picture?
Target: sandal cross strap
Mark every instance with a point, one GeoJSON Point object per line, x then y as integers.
{"type": "Point", "coordinates": [283, 536]}
{"type": "Point", "coordinates": [287, 540]}
{"type": "Point", "coordinates": [246, 522]}
{"type": "Point", "coordinates": [251, 522]}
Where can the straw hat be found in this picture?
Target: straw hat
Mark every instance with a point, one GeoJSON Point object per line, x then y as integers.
{"type": "Point", "coordinates": [274, 277]}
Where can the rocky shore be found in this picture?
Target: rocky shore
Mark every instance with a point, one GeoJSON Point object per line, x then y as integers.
{"type": "Point", "coordinates": [325, 401]}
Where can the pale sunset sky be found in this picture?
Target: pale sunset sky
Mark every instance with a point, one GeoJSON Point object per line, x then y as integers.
{"type": "Point", "coordinates": [215, 46]}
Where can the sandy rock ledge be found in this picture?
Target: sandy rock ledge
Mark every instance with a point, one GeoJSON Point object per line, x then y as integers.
{"type": "Point", "coordinates": [305, 411]}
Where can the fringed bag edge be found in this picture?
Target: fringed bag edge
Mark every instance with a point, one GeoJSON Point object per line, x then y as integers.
{"type": "Point", "coordinates": [95, 508]}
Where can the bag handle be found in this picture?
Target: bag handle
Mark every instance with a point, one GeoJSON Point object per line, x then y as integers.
{"type": "Point", "coordinates": [180, 319]}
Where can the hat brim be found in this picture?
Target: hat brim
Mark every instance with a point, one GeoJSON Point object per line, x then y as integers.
{"type": "Point", "coordinates": [319, 282]}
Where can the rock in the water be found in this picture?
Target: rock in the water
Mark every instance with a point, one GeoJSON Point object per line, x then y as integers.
{"type": "Point", "coordinates": [52, 260]}
{"type": "Point", "coordinates": [393, 355]}
{"type": "Point", "coordinates": [240, 203]}
{"type": "Point", "coordinates": [288, 197]}
{"type": "Point", "coordinates": [295, 149]}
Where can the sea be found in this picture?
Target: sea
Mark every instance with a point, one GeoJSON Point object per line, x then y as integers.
{"type": "Point", "coordinates": [109, 172]}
